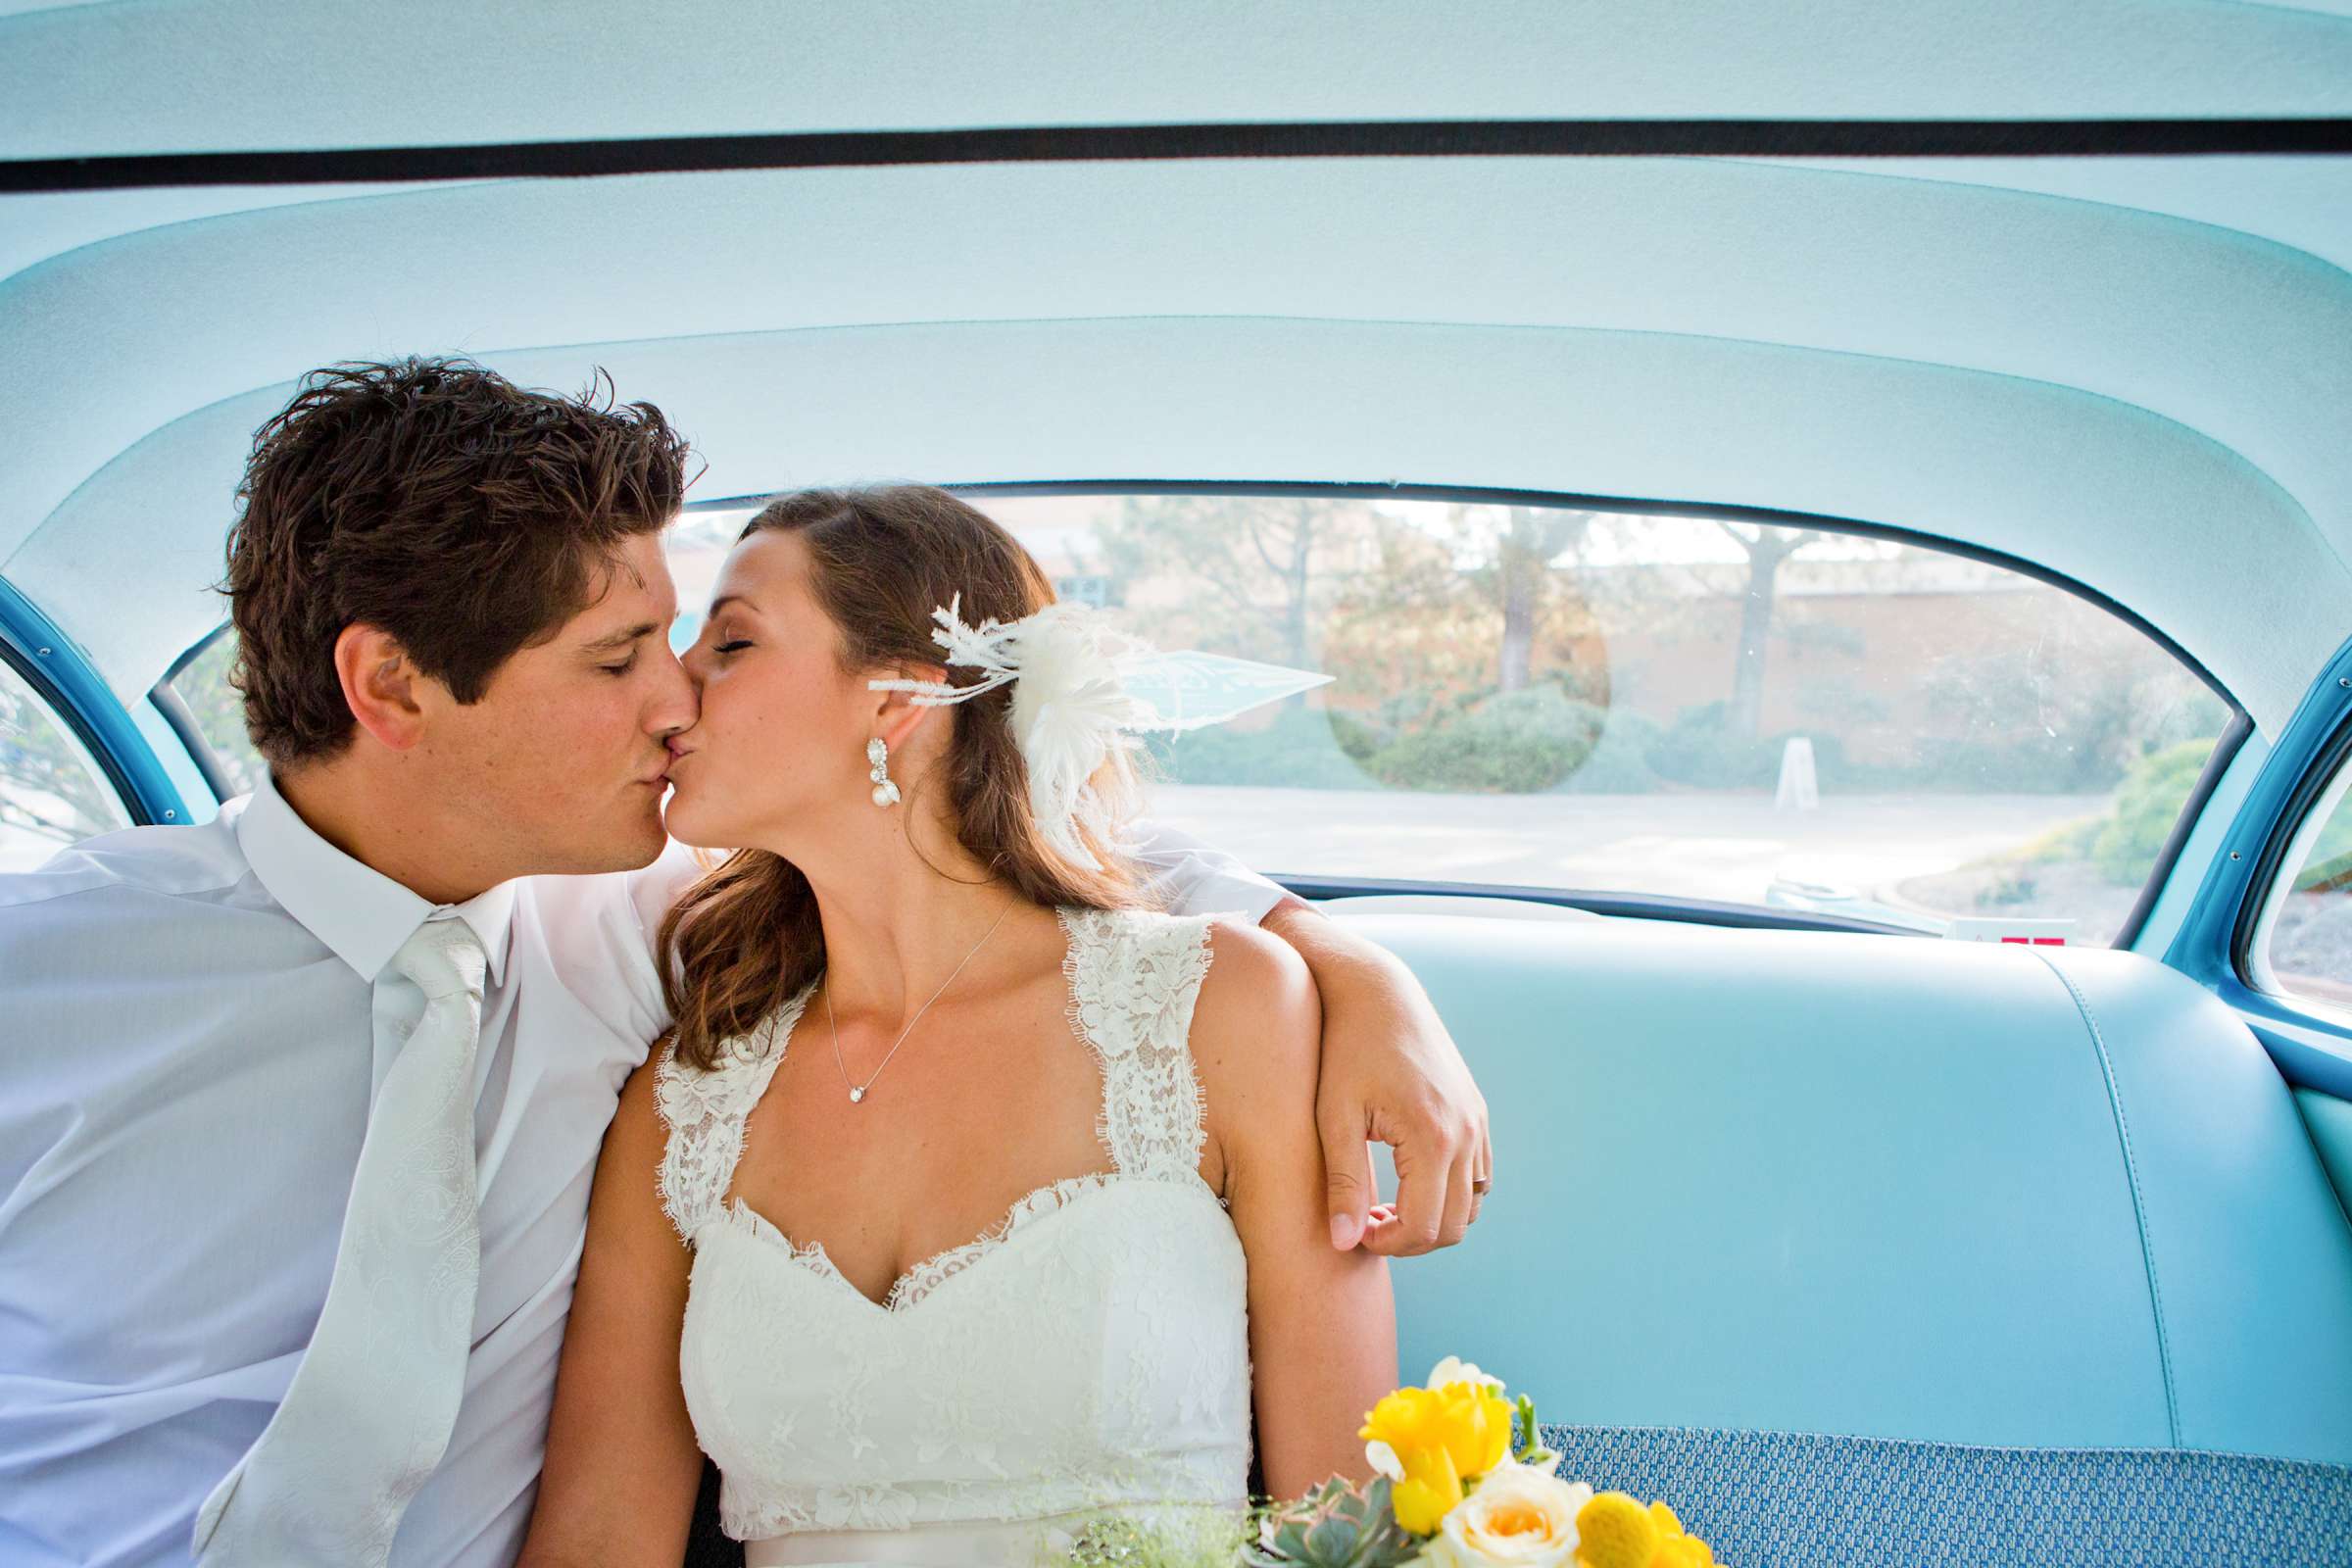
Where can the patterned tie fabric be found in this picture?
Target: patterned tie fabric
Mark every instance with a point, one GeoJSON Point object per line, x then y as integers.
{"type": "Point", "coordinates": [367, 1415]}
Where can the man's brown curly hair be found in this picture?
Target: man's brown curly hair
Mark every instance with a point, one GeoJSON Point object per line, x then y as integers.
{"type": "Point", "coordinates": [437, 501]}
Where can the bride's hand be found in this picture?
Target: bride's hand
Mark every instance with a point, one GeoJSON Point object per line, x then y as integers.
{"type": "Point", "coordinates": [1390, 1073]}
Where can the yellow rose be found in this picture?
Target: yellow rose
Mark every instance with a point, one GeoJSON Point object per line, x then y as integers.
{"type": "Point", "coordinates": [1518, 1516]}
{"type": "Point", "coordinates": [1404, 1439]}
{"type": "Point", "coordinates": [1428, 1442]}
{"type": "Point", "coordinates": [1471, 1424]}
{"type": "Point", "coordinates": [1427, 1492]}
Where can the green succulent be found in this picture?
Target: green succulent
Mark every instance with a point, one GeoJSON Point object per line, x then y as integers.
{"type": "Point", "coordinates": [1336, 1526]}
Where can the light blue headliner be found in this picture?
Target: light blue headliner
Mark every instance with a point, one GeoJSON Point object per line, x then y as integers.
{"type": "Point", "coordinates": [2134, 371]}
{"type": "Point", "coordinates": [139, 75]}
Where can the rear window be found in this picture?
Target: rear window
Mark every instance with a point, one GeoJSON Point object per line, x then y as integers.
{"type": "Point", "coordinates": [1586, 701]}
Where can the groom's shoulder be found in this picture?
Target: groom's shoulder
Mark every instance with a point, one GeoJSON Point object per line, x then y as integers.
{"type": "Point", "coordinates": [131, 867]}
{"type": "Point", "coordinates": [632, 900]}
{"type": "Point", "coordinates": [606, 925]}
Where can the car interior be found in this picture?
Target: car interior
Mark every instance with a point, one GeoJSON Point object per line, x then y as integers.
{"type": "Point", "coordinates": [1888, 1166]}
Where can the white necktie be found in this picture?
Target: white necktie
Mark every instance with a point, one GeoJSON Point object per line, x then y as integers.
{"type": "Point", "coordinates": [367, 1415]}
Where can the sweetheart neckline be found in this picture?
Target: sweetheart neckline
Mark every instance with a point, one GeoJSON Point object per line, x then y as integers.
{"type": "Point", "coordinates": [1019, 1219]}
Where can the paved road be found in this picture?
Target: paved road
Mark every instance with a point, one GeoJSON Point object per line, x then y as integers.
{"type": "Point", "coordinates": [1726, 847]}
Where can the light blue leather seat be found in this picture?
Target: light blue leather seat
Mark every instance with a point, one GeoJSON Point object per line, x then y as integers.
{"type": "Point", "coordinates": [1882, 1188]}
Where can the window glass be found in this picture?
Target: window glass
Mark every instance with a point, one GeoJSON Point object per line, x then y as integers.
{"type": "Point", "coordinates": [1639, 704]}
{"type": "Point", "coordinates": [1617, 703]}
{"type": "Point", "coordinates": [2308, 947]}
{"type": "Point", "coordinates": [202, 684]}
{"type": "Point", "coordinates": [52, 792]}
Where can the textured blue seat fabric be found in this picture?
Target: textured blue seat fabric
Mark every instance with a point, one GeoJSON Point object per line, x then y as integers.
{"type": "Point", "coordinates": [1895, 1187]}
{"type": "Point", "coordinates": [1777, 1499]}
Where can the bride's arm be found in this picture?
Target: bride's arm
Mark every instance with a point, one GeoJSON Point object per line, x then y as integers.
{"type": "Point", "coordinates": [1322, 1322]}
{"type": "Point", "coordinates": [1391, 1070]}
{"type": "Point", "coordinates": [622, 1465]}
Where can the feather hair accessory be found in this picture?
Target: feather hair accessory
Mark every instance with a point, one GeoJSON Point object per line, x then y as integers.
{"type": "Point", "coordinates": [1081, 689]}
{"type": "Point", "coordinates": [1070, 708]}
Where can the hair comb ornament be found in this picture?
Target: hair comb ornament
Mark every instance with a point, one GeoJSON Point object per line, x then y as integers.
{"type": "Point", "coordinates": [1082, 690]}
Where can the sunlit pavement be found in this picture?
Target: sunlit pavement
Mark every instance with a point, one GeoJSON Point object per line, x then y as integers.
{"type": "Point", "coordinates": [1726, 847]}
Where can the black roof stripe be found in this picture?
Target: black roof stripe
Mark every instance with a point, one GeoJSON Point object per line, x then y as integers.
{"type": "Point", "coordinates": [1526, 138]}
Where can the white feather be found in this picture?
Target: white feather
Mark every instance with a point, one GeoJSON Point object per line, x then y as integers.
{"type": "Point", "coordinates": [1072, 706]}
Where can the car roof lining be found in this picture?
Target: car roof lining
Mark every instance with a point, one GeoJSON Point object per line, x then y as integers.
{"type": "Point", "coordinates": [2167, 341]}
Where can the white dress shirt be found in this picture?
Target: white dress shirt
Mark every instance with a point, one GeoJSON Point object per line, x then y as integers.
{"type": "Point", "coordinates": [186, 1066]}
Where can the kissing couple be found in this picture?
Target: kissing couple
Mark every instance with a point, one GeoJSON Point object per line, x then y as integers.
{"type": "Point", "coordinates": [430, 1161]}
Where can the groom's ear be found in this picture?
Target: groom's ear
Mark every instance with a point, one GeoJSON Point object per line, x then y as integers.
{"type": "Point", "coordinates": [382, 686]}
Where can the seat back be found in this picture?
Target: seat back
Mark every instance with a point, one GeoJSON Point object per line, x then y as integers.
{"type": "Point", "coordinates": [1880, 1187]}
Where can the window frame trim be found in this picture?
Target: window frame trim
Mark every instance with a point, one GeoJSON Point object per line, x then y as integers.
{"type": "Point", "coordinates": [61, 678]}
{"type": "Point", "coordinates": [2322, 781]}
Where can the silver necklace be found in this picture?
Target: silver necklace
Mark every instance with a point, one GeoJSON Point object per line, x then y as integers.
{"type": "Point", "coordinates": [857, 1091]}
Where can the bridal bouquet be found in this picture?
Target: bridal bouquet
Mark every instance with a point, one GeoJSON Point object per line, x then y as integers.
{"type": "Point", "coordinates": [1450, 1491]}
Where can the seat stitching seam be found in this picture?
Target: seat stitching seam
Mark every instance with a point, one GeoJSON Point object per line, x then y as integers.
{"type": "Point", "coordinates": [2139, 1209]}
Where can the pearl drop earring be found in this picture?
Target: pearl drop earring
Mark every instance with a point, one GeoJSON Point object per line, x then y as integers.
{"type": "Point", "coordinates": [886, 794]}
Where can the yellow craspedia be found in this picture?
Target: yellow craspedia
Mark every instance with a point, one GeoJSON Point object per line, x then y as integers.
{"type": "Point", "coordinates": [1614, 1531]}
{"type": "Point", "coordinates": [1681, 1551]}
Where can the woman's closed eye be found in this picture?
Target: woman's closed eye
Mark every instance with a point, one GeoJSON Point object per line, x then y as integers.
{"type": "Point", "coordinates": [731, 646]}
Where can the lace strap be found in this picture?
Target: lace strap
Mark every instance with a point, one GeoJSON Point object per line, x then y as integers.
{"type": "Point", "coordinates": [705, 1113]}
{"type": "Point", "coordinates": [1134, 979]}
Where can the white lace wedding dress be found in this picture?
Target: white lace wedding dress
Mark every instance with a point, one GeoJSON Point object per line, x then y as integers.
{"type": "Point", "coordinates": [1089, 1352]}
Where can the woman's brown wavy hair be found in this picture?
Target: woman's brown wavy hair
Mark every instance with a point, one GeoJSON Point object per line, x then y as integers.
{"type": "Point", "coordinates": [746, 937]}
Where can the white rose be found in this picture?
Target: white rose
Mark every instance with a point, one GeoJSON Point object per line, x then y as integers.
{"type": "Point", "coordinates": [1453, 1369]}
{"type": "Point", "coordinates": [1518, 1515]}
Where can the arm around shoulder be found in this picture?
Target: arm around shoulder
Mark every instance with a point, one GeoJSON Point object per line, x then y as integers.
{"type": "Point", "coordinates": [622, 1464]}
{"type": "Point", "coordinates": [1322, 1322]}
{"type": "Point", "coordinates": [1390, 1071]}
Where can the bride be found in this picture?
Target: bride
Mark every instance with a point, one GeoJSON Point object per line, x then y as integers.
{"type": "Point", "coordinates": [970, 1195]}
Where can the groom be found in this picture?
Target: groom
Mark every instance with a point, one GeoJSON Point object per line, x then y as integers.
{"type": "Point", "coordinates": [452, 613]}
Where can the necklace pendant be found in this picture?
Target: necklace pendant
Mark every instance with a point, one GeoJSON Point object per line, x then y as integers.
{"type": "Point", "coordinates": [856, 1094]}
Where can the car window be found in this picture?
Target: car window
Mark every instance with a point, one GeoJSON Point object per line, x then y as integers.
{"type": "Point", "coordinates": [1623, 703]}
{"type": "Point", "coordinates": [2305, 941]}
{"type": "Point", "coordinates": [202, 683]}
{"type": "Point", "coordinates": [52, 792]}
{"type": "Point", "coordinates": [1628, 703]}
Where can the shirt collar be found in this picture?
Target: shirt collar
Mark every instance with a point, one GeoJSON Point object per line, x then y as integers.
{"type": "Point", "coordinates": [363, 916]}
